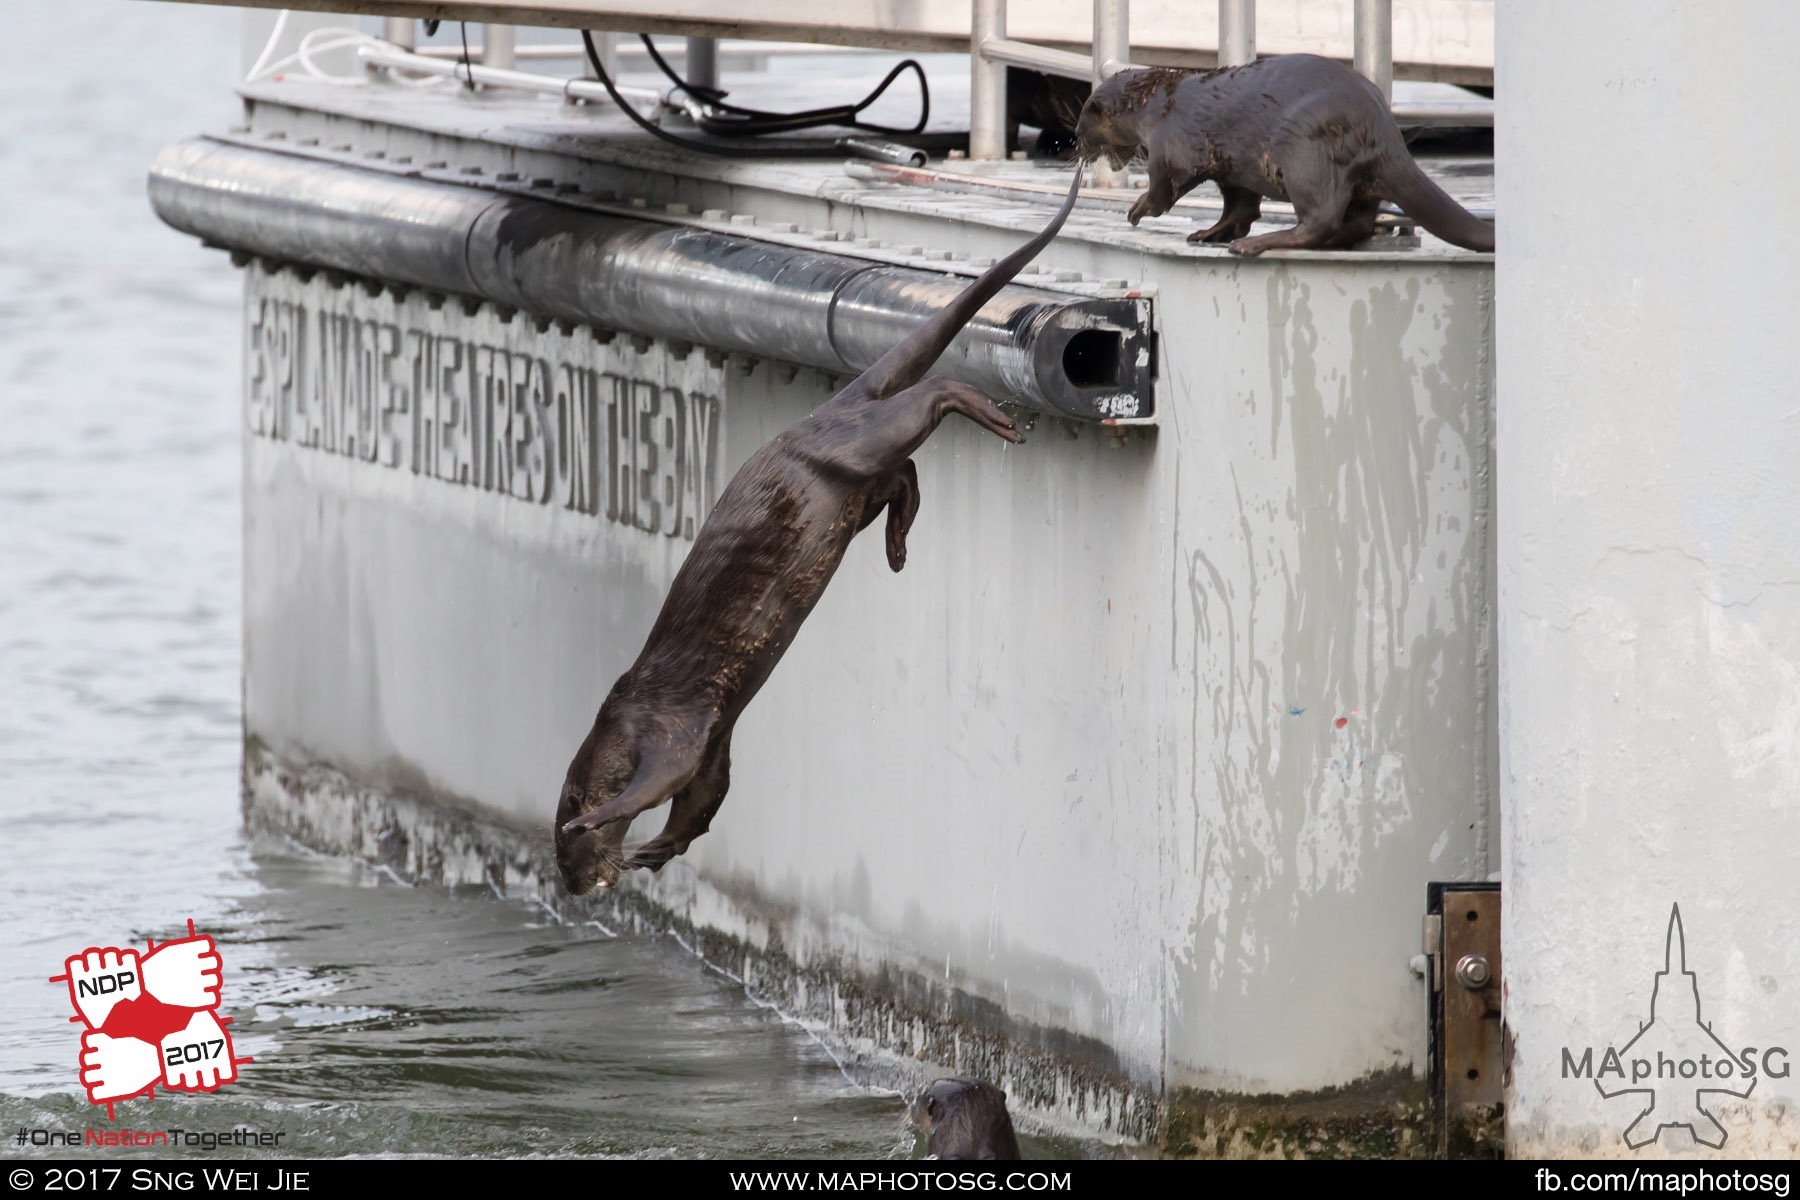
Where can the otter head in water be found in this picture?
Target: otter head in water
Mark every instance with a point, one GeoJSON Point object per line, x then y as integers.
{"type": "Point", "coordinates": [965, 1119]}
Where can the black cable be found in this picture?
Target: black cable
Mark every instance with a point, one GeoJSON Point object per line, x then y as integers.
{"type": "Point", "coordinates": [741, 151]}
{"type": "Point", "coordinates": [468, 74]}
{"type": "Point", "coordinates": [748, 122]}
{"type": "Point", "coordinates": [710, 95]}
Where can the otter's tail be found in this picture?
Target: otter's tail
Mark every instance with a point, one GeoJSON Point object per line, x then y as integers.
{"type": "Point", "coordinates": [1428, 204]}
{"type": "Point", "coordinates": [907, 363]}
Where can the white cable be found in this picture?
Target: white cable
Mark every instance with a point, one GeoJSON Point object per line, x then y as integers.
{"type": "Point", "coordinates": [322, 41]}
{"type": "Point", "coordinates": [269, 46]}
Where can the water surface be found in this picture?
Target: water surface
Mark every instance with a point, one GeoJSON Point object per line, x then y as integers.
{"type": "Point", "coordinates": [383, 1019]}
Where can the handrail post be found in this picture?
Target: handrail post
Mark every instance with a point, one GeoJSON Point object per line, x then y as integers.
{"type": "Point", "coordinates": [1375, 44]}
{"type": "Point", "coordinates": [1112, 53]}
{"type": "Point", "coordinates": [987, 83]}
{"type": "Point", "coordinates": [1237, 32]}
{"type": "Point", "coordinates": [396, 31]}
{"type": "Point", "coordinates": [702, 66]}
{"type": "Point", "coordinates": [606, 45]}
{"type": "Point", "coordinates": [499, 46]}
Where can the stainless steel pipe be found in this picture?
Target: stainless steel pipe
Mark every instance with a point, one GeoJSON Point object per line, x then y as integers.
{"type": "Point", "coordinates": [1237, 32]}
{"type": "Point", "coordinates": [1082, 357]}
{"type": "Point", "coordinates": [1374, 43]}
{"type": "Point", "coordinates": [1112, 53]}
{"type": "Point", "coordinates": [987, 82]}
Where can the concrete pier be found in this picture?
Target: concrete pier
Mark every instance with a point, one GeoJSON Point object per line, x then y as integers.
{"type": "Point", "coordinates": [1125, 794]}
{"type": "Point", "coordinates": [1649, 566]}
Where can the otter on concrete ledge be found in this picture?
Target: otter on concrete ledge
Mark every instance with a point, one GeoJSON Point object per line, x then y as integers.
{"type": "Point", "coordinates": [1293, 127]}
{"type": "Point", "coordinates": [757, 567]}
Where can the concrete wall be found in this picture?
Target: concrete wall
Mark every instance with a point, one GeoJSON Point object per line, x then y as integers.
{"type": "Point", "coordinates": [1155, 742]}
{"type": "Point", "coordinates": [1648, 290]}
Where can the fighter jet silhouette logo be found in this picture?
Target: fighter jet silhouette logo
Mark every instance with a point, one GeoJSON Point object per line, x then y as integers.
{"type": "Point", "coordinates": [1680, 1048]}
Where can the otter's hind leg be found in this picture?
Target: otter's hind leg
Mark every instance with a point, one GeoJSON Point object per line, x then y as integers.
{"type": "Point", "coordinates": [691, 813]}
{"type": "Point", "coordinates": [1318, 185]}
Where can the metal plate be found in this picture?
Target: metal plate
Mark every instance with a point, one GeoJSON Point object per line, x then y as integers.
{"type": "Point", "coordinates": [1467, 1035]}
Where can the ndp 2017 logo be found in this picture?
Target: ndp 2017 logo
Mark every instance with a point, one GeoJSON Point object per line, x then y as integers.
{"type": "Point", "coordinates": [151, 1018]}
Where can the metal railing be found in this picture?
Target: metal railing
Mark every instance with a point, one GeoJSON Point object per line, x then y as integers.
{"type": "Point", "coordinates": [991, 52]}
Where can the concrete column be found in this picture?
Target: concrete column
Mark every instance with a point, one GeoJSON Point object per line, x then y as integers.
{"type": "Point", "coordinates": [1648, 552]}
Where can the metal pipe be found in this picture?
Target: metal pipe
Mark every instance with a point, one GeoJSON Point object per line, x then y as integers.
{"type": "Point", "coordinates": [1375, 43]}
{"type": "Point", "coordinates": [1237, 32]}
{"type": "Point", "coordinates": [749, 53]}
{"type": "Point", "coordinates": [1112, 37]}
{"type": "Point", "coordinates": [987, 82]}
{"type": "Point", "coordinates": [1077, 356]}
{"type": "Point", "coordinates": [550, 85]}
{"type": "Point", "coordinates": [498, 45]}
{"type": "Point", "coordinates": [528, 51]}
{"type": "Point", "coordinates": [1112, 53]}
{"type": "Point", "coordinates": [607, 45]}
{"type": "Point", "coordinates": [401, 32]}
{"type": "Point", "coordinates": [883, 151]}
{"type": "Point", "coordinates": [702, 69]}
{"type": "Point", "coordinates": [1474, 114]}
{"type": "Point", "coordinates": [1039, 58]}
{"type": "Point", "coordinates": [396, 31]}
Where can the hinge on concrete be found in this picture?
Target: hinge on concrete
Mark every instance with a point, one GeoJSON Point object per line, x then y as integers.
{"type": "Point", "coordinates": [1431, 941]}
{"type": "Point", "coordinates": [1462, 940]}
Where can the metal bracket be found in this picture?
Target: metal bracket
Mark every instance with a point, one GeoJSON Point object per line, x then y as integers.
{"type": "Point", "coordinates": [1462, 940]}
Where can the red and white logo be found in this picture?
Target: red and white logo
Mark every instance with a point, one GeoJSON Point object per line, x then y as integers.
{"type": "Point", "coordinates": [150, 1018]}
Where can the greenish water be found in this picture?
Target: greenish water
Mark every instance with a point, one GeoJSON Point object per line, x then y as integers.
{"type": "Point", "coordinates": [387, 1019]}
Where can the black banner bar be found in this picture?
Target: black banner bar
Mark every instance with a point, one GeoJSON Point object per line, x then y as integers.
{"type": "Point", "coordinates": [185, 1176]}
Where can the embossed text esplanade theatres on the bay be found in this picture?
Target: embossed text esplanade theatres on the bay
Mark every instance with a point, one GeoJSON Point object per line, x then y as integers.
{"type": "Point", "coordinates": [519, 419]}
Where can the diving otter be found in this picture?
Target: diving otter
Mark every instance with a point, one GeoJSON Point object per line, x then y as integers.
{"type": "Point", "coordinates": [1294, 127]}
{"type": "Point", "coordinates": [965, 1118]}
{"type": "Point", "coordinates": [757, 567]}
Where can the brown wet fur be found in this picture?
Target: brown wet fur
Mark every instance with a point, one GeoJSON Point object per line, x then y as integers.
{"type": "Point", "coordinates": [965, 1119]}
{"type": "Point", "coordinates": [1293, 127]}
{"type": "Point", "coordinates": [757, 567]}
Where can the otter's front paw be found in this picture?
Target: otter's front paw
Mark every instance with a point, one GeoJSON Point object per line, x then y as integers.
{"type": "Point", "coordinates": [1141, 208]}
